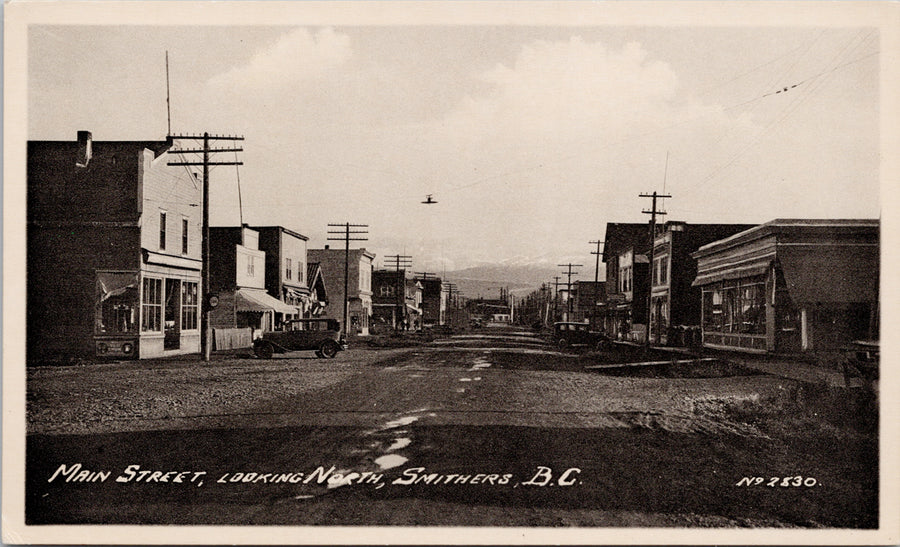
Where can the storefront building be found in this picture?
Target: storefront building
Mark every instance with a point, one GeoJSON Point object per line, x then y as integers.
{"type": "Point", "coordinates": [238, 279]}
{"type": "Point", "coordinates": [124, 226]}
{"type": "Point", "coordinates": [791, 286]}
{"type": "Point", "coordinates": [675, 303]}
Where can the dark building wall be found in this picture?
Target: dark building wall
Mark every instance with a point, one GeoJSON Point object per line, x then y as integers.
{"type": "Point", "coordinates": [223, 258]}
{"type": "Point", "coordinates": [62, 262]}
{"type": "Point", "coordinates": [270, 243]}
{"type": "Point", "coordinates": [685, 300]}
{"type": "Point", "coordinates": [106, 190]}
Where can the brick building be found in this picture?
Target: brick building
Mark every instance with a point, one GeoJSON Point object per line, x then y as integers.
{"type": "Point", "coordinates": [360, 268]}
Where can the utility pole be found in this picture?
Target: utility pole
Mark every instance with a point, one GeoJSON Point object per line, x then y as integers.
{"type": "Point", "coordinates": [555, 295]}
{"type": "Point", "coordinates": [597, 265]}
{"type": "Point", "coordinates": [404, 262]}
{"type": "Point", "coordinates": [569, 288]}
{"type": "Point", "coordinates": [359, 229]}
{"type": "Point", "coordinates": [652, 212]}
{"type": "Point", "coordinates": [596, 279]}
{"type": "Point", "coordinates": [205, 339]}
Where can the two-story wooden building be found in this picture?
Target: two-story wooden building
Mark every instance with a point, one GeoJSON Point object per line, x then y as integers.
{"type": "Point", "coordinates": [396, 300]}
{"type": "Point", "coordinates": [675, 303]}
{"type": "Point", "coordinates": [286, 267]}
{"type": "Point", "coordinates": [113, 257]}
{"type": "Point", "coordinates": [237, 276]}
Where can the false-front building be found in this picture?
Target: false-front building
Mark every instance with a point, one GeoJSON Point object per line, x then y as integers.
{"type": "Point", "coordinates": [113, 257]}
{"type": "Point", "coordinates": [790, 286]}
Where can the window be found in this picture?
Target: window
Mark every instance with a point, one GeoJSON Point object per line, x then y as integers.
{"type": "Point", "coordinates": [152, 305]}
{"type": "Point", "coordinates": [184, 236]}
{"type": "Point", "coordinates": [300, 269]}
{"type": "Point", "coordinates": [664, 270]}
{"type": "Point", "coordinates": [162, 230]}
{"type": "Point", "coordinates": [288, 274]}
{"type": "Point", "coordinates": [117, 299]}
{"type": "Point", "coordinates": [189, 306]}
{"type": "Point", "coordinates": [735, 307]}
{"type": "Point", "coordinates": [251, 267]}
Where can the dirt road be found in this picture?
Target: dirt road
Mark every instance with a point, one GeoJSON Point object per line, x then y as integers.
{"type": "Point", "coordinates": [489, 430]}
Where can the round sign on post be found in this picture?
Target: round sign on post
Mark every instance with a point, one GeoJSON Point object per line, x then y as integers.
{"type": "Point", "coordinates": [212, 301]}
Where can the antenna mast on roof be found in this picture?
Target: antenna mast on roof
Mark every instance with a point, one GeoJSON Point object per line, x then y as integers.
{"type": "Point", "coordinates": [168, 107]}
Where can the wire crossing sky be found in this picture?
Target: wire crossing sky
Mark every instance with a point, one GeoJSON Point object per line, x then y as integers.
{"type": "Point", "coordinates": [530, 138]}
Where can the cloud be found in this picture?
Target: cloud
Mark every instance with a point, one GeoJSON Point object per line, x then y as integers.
{"type": "Point", "coordinates": [296, 56]}
{"type": "Point", "coordinates": [570, 88]}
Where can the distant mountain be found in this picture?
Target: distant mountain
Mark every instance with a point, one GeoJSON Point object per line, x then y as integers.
{"type": "Point", "coordinates": [485, 280]}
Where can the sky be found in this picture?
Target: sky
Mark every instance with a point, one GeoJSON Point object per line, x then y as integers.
{"type": "Point", "coordinates": [530, 138]}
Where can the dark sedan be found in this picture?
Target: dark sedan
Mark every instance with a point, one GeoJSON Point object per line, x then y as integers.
{"type": "Point", "coordinates": [320, 335]}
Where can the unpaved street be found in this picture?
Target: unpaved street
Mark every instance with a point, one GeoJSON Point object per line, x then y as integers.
{"type": "Point", "coordinates": [488, 429]}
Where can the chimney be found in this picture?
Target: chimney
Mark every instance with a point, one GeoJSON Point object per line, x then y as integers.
{"type": "Point", "coordinates": [84, 149]}
{"type": "Point", "coordinates": [327, 247]}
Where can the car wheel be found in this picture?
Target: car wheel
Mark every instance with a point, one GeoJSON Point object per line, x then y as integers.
{"type": "Point", "coordinates": [264, 350]}
{"type": "Point", "coordinates": [329, 349]}
{"type": "Point", "coordinates": [562, 344]}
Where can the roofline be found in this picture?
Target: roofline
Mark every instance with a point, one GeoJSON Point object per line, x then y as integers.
{"type": "Point", "coordinates": [283, 229]}
{"type": "Point", "coordinates": [773, 226]}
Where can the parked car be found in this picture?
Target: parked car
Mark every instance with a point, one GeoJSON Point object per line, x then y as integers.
{"type": "Point", "coordinates": [578, 335]}
{"type": "Point", "coordinates": [321, 335]}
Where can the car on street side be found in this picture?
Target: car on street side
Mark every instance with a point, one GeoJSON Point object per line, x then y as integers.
{"type": "Point", "coordinates": [320, 335]}
{"type": "Point", "coordinates": [568, 334]}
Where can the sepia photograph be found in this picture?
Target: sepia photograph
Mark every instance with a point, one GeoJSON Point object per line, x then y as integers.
{"type": "Point", "coordinates": [449, 272]}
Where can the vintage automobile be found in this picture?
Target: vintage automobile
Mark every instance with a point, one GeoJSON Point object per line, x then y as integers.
{"type": "Point", "coordinates": [578, 335]}
{"type": "Point", "coordinates": [320, 335]}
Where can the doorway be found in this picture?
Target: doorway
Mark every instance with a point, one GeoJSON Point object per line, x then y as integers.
{"type": "Point", "coordinates": [172, 318]}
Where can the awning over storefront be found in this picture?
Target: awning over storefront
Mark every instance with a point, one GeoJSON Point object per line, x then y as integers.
{"type": "Point", "coordinates": [260, 301]}
{"type": "Point", "coordinates": [833, 274]}
{"type": "Point", "coordinates": [297, 293]}
{"type": "Point", "coordinates": [736, 270]}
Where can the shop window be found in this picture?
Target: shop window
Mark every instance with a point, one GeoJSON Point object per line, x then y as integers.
{"type": "Point", "coordinates": [712, 309]}
{"type": "Point", "coordinates": [189, 300]}
{"type": "Point", "coordinates": [117, 298]}
{"type": "Point", "coordinates": [753, 308]}
{"type": "Point", "coordinates": [152, 305]}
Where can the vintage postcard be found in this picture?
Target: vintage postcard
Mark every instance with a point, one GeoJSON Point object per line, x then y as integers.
{"type": "Point", "coordinates": [450, 272]}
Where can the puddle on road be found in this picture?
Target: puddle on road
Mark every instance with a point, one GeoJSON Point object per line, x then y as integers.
{"type": "Point", "coordinates": [401, 442]}
{"type": "Point", "coordinates": [416, 375]}
{"type": "Point", "coordinates": [406, 420]}
{"type": "Point", "coordinates": [465, 379]}
{"type": "Point", "coordinates": [389, 461]}
{"type": "Point", "coordinates": [304, 497]}
{"type": "Point", "coordinates": [461, 390]}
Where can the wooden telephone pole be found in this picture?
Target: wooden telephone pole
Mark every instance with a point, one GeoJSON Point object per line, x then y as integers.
{"type": "Point", "coordinates": [400, 263]}
{"type": "Point", "coordinates": [570, 273]}
{"type": "Point", "coordinates": [205, 339]}
{"type": "Point", "coordinates": [358, 229]}
{"type": "Point", "coordinates": [652, 212]}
